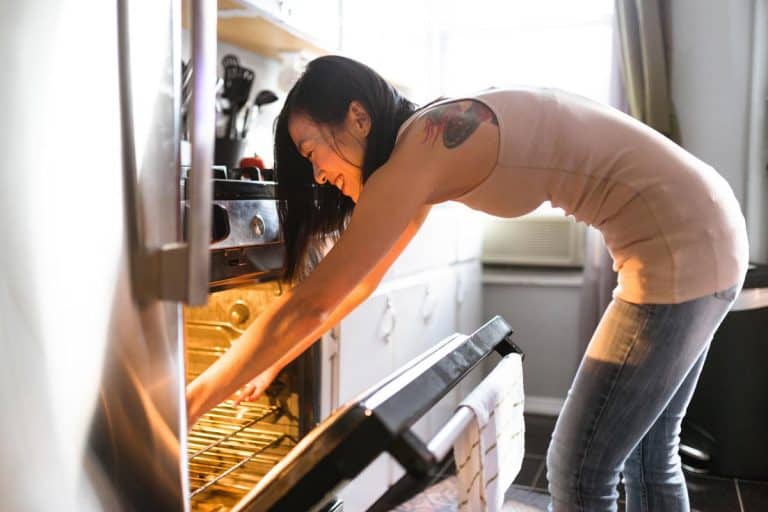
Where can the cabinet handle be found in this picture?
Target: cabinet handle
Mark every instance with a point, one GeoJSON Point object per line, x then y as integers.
{"type": "Point", "coordinates": [430, 304]}
{"type": "Point", "coordinates": [388, 322]}
{"type": "Point", "coordinates": [460, 290]}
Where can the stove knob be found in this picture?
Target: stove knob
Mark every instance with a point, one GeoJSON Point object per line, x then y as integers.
{"type": "Point", "coordinates": [258, 226]}
{"type": "Point", "coordinates": [239, 313]}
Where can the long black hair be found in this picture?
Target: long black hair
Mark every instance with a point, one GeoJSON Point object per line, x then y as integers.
{"type": "Point", "coordinates": [311, 214]}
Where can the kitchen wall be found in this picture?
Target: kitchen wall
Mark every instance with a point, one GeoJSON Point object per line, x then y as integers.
{"type": "Point", "coordinates": [542, 306]}
{"type": "Point", "coordinates": [267, 73]}
{"type": "Point", "coordinates": [713, 80]}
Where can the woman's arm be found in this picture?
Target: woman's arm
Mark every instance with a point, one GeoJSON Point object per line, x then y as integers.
{"type": "Point", "coordinates": [385, 219]}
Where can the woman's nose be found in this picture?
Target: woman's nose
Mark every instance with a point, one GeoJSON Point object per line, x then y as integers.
{"type": "Point", "coordinates": [319, 174]}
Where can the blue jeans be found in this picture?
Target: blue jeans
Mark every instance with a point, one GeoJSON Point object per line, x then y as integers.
{"type": "Point", "coordinates": [625, 406]}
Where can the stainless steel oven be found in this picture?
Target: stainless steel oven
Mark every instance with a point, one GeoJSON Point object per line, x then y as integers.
{"type": "Point", "coordinates": [270, 455]}
{"type": "Point", "coordinates": [230, 449]}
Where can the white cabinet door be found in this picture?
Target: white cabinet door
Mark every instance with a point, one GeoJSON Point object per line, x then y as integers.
{"type": "Point", "coordinates": [365, 346]}
{"type": "Point", "coordinates": [439, 320]}
{"type": "Point", "coordinates": [410, 341]}
{"type": "Point", "coordinates": [434, 246]}
{"type": "Point", "coordinates": [469, 227]}
{"type": "Point", "coordinates": [469, 314]}
{"type": "Point", "coordinates": [365, 358]}
{"type": "Point", "coordinates": [426, 315]}
{"type": "Point", "coordinates": [408, 301]}
{"type": "Point", "coordinates": [469, 296]}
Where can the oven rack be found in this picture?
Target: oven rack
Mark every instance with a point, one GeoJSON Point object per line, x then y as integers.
{"type": "Point", "coordinates": [230, 449]}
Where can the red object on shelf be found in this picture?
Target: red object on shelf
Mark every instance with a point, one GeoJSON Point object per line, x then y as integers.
{"type": "Point", "coordinates": [252, 161]}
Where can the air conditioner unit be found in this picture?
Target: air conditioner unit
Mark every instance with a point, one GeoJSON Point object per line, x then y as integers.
{"type": "Point", "coordinates": [535, 240]}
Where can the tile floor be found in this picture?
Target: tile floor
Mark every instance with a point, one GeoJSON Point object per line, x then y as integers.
{"type": "Point", "coordinates": [529, 492]}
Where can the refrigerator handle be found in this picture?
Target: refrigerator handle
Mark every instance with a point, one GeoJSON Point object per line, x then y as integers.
{"type": "Point", "coordinates": [175, 271]}
{"type": "Point", "coordinates": [203, 37]}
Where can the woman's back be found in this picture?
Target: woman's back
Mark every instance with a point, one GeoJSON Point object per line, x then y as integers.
{"type": "Point", "coordinates": [668, 218]}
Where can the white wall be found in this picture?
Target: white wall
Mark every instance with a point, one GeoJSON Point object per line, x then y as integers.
{"type": "Point", "coordinates": [260, 138]}
{"type": "Point", "coordinates": [710, 49]}
{"type": "Point", "coordinates": [757, 173]}
{"type": "Point", "coordinates": [543, 309]}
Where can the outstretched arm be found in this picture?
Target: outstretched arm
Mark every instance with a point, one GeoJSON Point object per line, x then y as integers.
{"type": "Point", "coordinates": [385, 219]}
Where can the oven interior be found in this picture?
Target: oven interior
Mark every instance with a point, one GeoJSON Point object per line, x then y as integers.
{"type": "Point", "coordinates": [231, 448]}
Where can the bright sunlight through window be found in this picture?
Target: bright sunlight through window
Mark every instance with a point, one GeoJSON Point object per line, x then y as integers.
{"type": "Point", "coordinates": [432, 48]}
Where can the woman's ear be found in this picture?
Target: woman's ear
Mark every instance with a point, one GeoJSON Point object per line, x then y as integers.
{"type": "Point", "coordinates": [358, 119]}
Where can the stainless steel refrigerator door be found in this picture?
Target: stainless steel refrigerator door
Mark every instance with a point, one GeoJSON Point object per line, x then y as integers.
{"type": "Point", "coordinates": [91, 413]}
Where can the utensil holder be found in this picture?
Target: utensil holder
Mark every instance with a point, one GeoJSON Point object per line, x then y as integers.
{"type": "Point", "coordinates": [228, 152]}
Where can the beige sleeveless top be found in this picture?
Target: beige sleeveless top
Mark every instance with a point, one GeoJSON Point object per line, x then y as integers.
{"type": "Point", "coordinates": [670, 221]}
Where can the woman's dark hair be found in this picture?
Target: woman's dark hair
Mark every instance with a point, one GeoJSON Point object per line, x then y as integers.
{"type": "Point", "coordinates": [312, 214]}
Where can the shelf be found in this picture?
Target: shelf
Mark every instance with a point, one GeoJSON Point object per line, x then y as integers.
{"type": "Point", "coordinates": [254, 29]}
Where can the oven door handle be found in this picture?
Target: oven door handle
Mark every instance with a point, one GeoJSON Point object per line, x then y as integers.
{"type": "Point", "coordinates": [442, 443]}
{"type": "Point", "coordinates": [175, 271]}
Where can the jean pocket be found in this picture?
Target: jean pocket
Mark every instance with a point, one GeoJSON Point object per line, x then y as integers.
{"type": "Point", "coordinates": [729, 294]}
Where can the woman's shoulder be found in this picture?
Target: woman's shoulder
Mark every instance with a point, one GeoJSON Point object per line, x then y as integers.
{"type": "Point", "coordinates": [455, 139]}
{"type": "Point", "coordinates": [452, 118]}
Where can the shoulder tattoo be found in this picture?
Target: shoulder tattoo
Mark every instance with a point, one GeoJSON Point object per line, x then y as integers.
{"type": "Point", "coordinates": [456, 122]}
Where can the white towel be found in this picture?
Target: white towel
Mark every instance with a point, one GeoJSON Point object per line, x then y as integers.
{"type": "Point", "coordinates": [490, 451]}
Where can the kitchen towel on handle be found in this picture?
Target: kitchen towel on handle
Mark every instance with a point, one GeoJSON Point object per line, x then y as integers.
{"type": "Point", "coordinates": [490, 451]}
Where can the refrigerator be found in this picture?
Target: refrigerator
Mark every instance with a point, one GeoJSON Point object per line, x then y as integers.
{"type": "Point", "coordinates": [94, 272]}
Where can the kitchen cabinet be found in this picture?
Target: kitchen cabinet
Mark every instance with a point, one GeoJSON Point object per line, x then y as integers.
{"type": "Point", "coordinates": [427, 295]}
{"type": "Point", "coordinates": [363, 365]}
{"type": "Point", "coordinates": [469, 313]}
{"type": "Point", "coordinates": [366, 363]}
{"type": "Point", "coordinates": [273, 27]}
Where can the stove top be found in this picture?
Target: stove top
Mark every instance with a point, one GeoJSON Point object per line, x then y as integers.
{"type": "Point", "coordinates": [245, 232]}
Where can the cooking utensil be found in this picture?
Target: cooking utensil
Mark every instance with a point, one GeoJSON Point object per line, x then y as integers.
{"type": "Point", "coordinates": [230, 60]}
{"type": "Point", "coordinates": [264, 97]}
{"type": "Point", "coordinates": [237, 87]}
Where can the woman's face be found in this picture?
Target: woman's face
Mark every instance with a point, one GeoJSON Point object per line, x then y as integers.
{"type": "Point", "coordinates": [336, 154]}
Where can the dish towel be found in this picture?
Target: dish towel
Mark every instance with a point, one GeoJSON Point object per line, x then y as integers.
{"type": "Point", "coordinates": [490, 451]}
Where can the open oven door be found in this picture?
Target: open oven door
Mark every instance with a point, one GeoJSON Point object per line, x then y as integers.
{"type": "Point", "coordinates": [343, 445]}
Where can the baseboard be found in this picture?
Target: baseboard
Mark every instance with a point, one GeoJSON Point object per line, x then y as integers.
{"type": "Point", "coordinates": [547, 405]}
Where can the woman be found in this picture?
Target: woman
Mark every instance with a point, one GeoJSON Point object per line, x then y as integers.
{"type": "Point", "coordinates": [354, 157]}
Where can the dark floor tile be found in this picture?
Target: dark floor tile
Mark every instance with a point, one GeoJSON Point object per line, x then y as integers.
{"type": "Point", "coordinates": [754, 495]}
{"type": "Point", "coordinates": [538, 431]}
{"type": "Point", "coordinates": [541, 483]}
{"type": "Point", "coordinates": [529, 471]}
{"type": "Point", "coordinates": [442, 497]}
{"type": "Point", "coordinates": [711, 494]}
{"type": "Point", "coordinates": [519, 499]}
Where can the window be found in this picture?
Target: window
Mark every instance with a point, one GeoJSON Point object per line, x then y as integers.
{"type": "Point", "coordinates": [437, 48]}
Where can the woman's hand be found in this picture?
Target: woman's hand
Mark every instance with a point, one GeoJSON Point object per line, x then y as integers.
{"type": "Point", "coordinates": [256, 387]}
{"type": "Point", "coordinates": [250, 392]}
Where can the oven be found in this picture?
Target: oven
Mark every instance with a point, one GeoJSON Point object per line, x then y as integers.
{"type": "Point", "coordinates": [230, 449]}
{"type": "Point", "coordinates": [275, 453]}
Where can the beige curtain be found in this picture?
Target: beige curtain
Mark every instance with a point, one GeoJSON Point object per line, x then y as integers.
{"type": "Point", "coordinates": [644, 63]}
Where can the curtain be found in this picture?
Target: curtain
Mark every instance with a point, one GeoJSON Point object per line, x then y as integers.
{"type": "Point", "coordinates": [639, 87]}
{"type": "Point", "coordinates": [644, 64]}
